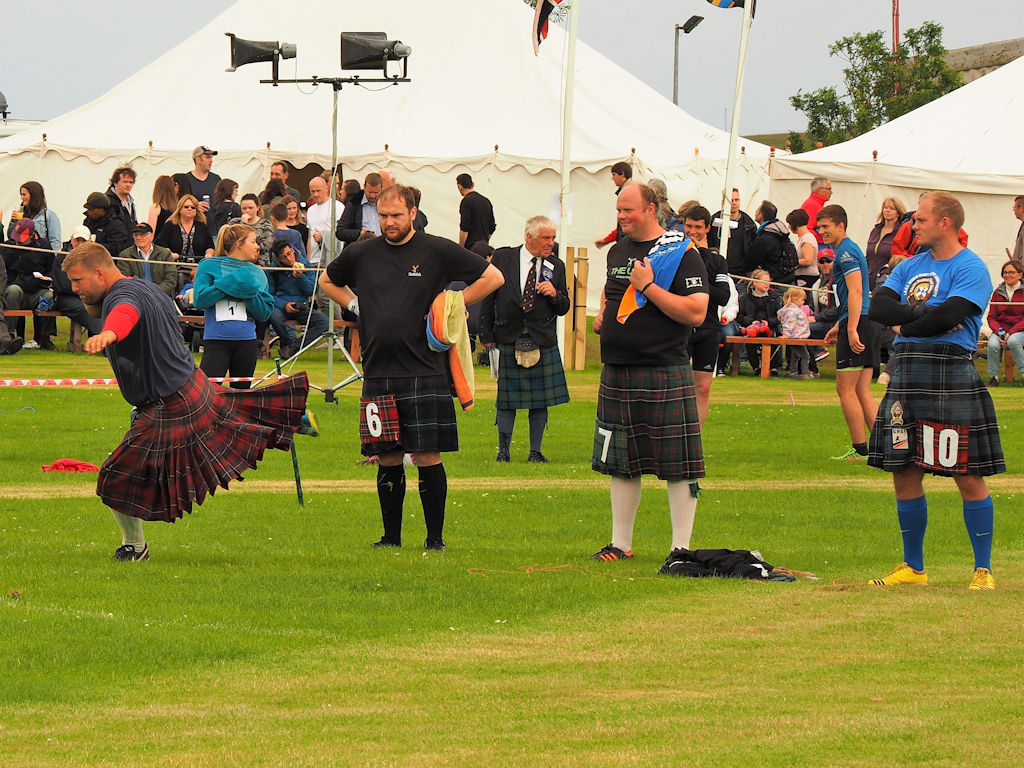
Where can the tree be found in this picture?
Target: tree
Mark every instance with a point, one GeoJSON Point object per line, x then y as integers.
{"type": "Point", "coordinates": [881, 84]}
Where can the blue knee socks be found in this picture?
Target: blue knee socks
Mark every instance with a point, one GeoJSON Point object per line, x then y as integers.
{"type": "Point", "coordinates": [979, 518]}
{"type": "Point", "coordinates": [913, 517]}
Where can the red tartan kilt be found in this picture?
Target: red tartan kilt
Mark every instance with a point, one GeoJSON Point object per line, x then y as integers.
{"type": "Point", "coordinates": [199, 438]}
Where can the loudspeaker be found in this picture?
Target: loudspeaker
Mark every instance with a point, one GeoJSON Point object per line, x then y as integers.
{"type": "Point", "coordinates": [248, 51]}
{"type": "Point", "coordinates": [370, 50]}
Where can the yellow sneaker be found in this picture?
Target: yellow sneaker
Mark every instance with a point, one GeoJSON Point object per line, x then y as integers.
{"type": "Point", "coordinates": [903, 574]}
{"type": "Point", "coordinates": [983, 579]}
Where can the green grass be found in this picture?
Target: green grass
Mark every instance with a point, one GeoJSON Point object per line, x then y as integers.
{"type": "Point", "coordinates": [264, 635]}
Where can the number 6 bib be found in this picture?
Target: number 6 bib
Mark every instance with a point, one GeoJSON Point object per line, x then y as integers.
{"type": "Point", "coordinates": [378, 419]}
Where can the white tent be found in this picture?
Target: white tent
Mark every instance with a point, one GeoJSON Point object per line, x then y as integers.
{"type": "Point", "coordinates": [967, 142]}
{"type": "Point", "coordinates": [479, 102]}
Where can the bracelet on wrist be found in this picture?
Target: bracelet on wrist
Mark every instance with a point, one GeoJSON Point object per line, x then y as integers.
{"type": "Point", "coordinates": [644, 289]}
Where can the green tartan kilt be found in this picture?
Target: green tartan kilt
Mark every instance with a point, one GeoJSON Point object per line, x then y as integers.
{"type": "Point", "coordinates": [647, 423]}
{"type": "Point", "coordinates": [539, 386]}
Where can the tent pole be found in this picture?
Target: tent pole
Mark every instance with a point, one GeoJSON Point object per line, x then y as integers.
{"type": "Point", "coordinates": [734, 132]}
{"type": "Point", "coordinates": [329, 237]}
{"type": "Point", "coordinates": [565, 188]}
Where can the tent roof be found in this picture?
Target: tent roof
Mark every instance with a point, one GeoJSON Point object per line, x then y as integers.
{"type": "Point", "coordinates": [475, 85]}
{"type": "Point", "coordinates": [967, 140]}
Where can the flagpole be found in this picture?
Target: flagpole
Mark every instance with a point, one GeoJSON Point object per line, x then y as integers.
{"type": "Point", "coordinates": [734, 132]}
{"type": "Point", "coordinates": [563, 196]}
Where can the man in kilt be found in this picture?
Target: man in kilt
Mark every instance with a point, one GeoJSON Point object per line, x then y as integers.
{"type": "Point", "coordinates": [520, 317]}
{"type": "Point", "coordinates": [647, 420]}
{"type": "Point", "coordinates": [187, 436]}
{"type": "Point", "coordinates": [937, 415]}
{"type": "Point", "coordinates": [407, 402]}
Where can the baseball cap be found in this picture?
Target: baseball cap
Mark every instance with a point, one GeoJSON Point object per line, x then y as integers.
{"type": "Point", "coordinates": [201, 150]}
{"type": "Point", "coordinates": [81, 232]}
{"type": "Point", "coordinates": [23, 230]}
{"type": "Point", "coordinates": [97, 200]}
{"type": "Point", "coordinates": [142, 228]}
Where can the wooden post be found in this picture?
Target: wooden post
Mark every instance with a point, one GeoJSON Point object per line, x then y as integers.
{"type": "Point", "coordinates": [579, 309]}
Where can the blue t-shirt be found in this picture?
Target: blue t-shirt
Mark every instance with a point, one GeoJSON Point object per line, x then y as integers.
{"type": "Point", "coordinates": [924, 279]}
{"type": "Point", "coordinates": [850, 259]}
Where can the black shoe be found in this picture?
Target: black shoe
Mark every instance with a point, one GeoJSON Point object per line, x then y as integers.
{"type": "Point", "coordinates": [536, 457]}
{"type": "Point", "coordinates": [14, 347]}
{"type": "Point", "coordinates": [48, 345]}
{"type": "Point", "coordinates": [993, 382]}
{"type": "Point", "coordinates": [774, 373]}
{"type": "Point", "coordinates": [128, 553]}
{"type": "Point", "coordinates": [385, 542]}
{"type": "Point", "coordinates": [503, 455]}
{"type": "Point", "coordinates": [435, 545]}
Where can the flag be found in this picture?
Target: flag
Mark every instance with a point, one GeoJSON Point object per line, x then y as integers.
{"type": "Point", "coordinates": [734, 4]}
{"type": "Point", "coordinates": [540, 22]}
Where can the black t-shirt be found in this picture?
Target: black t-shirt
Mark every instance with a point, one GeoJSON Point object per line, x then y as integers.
{"type": "Point", "coordinates": [476, 218]}
{"type": "Point", "coordinates": [205, 187]}
{"type": "Point", "coordinates": [649, 336]}
{"type": "Point", "coordinates": [397, 284]}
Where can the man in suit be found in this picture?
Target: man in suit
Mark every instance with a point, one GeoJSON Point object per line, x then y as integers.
{"type": "Point", "coordinates": [520, 319]}
{"type": "Point", "coordinates": [360, 215]}
{"type": "Point", "coordinates": [136, 261]}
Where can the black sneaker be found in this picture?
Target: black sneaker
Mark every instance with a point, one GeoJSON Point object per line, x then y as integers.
{"type": "Point", "coordinates": [128, 553]}
{"type": "Point", "coordinates": [14, 347]}
{"type": "Point", "coordinates": [435, 545]}
{"type": "Point", "coordinates": [612, 553]}
{"type": "Point", "coordinates": [386, 542]}
{"type": "Point", "coordinates": [993, 382]}
{"type": "Point", "coordinates": [536, 457]}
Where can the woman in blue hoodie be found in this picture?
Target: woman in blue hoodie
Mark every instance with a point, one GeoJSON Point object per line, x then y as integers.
{"type": "Point", "coordinates": [233, 292]}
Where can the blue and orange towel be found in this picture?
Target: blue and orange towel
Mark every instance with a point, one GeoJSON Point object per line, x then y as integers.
{"type": "Point", "coordinates": [665, 256]}
{"type": "Point", "coordinates": [447, 332]}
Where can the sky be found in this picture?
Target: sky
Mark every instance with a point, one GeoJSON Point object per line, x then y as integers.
{"type": "Point", "coordinates": [87, 52]}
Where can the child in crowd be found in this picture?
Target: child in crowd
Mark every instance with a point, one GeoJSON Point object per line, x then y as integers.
{"type": "Point", "coordinates": [760, 302]}
{"type": "Point", "coordinates": [795, 317]}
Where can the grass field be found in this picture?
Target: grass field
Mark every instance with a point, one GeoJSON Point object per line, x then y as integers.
{"type": "Point", "coordinates": [261, 634]}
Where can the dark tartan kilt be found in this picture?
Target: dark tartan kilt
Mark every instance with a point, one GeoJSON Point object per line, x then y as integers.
{"type": "Point", "coordinates": [938, 389]}
{"type": "Point", "coordinates": [426, 414]}
{"type": "Point", "coordinates": [199, 438]}
{"type": "Point", "coordinates": [539, 386]}
{"type": "Point", "coordinates": [654, 409]}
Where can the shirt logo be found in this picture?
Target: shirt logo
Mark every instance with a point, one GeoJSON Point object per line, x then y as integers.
{"type": "Point", "coordinates": [694, 282]}
{"type": "Point", "coordinates": [921, 288]}
{"type": "Point", "coordinates": [415, 271]}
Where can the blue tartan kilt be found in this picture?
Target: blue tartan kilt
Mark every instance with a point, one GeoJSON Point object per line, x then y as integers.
{"type": "Point", "coordinates": [647, 423]}
{"type": "Point", "coordinates": [538, 386]}
{"type": "Point", "coordinates": [426, 414]}
{"type": "Point", "coordinates": [937, 415]}
{"type": "Point", "coordinates": [198, 439]}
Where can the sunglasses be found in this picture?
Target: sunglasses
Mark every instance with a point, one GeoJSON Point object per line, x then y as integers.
{"type": "Point", "coordinates": [824, 261]}
{"type": "Point", "coordinates": [188, 206]}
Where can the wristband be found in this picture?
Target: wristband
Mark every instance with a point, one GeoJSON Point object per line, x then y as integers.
{"type": "Point", "coordinates": [644, 289]}
{"type": "Point", "coordinates": [353, 306]}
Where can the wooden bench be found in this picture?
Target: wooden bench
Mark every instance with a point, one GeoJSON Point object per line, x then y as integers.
{"type": "Point", "coordinates": [74, 340]}
{"type": "Point", "coordinates": [766, 353]}
{"type": "Point", "coordinates": [1009, 366]}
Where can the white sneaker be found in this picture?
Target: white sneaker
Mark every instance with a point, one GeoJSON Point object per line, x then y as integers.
{"type": "Point", "coordinates": [30, 344]}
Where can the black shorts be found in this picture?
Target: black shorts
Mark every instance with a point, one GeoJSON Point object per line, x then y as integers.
{"type": "Point", "coordinates": [846, 358]}
{"type": "Point", "coordinates": [703, 349]}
